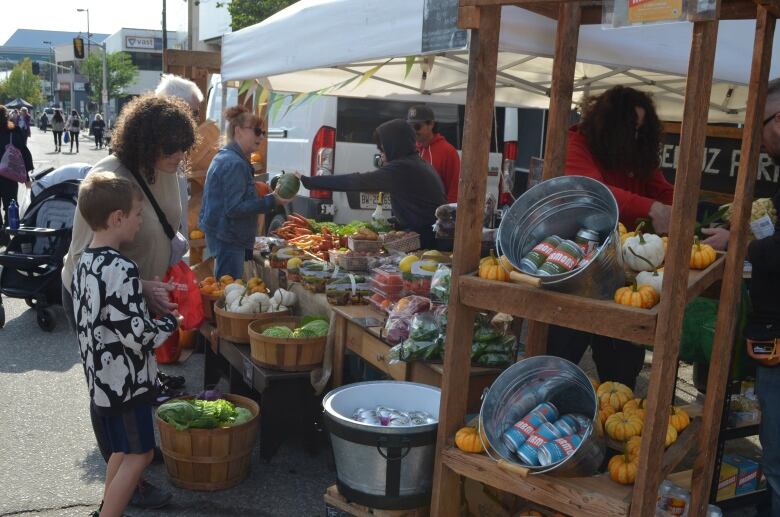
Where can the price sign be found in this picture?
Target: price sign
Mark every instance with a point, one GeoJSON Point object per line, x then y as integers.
{"type": "Point", "coordinates": [645, 11]}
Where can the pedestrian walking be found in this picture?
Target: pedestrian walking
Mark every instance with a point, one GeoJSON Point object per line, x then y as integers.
{"type": "Point", "coordinates": [73, 126]}
{"type": "Point", "coordinates": [57, 128]}
{"type": "Point", "coordinates": [43, 122]}
{"type": "Point", "coordinates": [24, 121]}
{"type": "Point", "coordinates": [120, 372]}
{"type": "Point", "coordinates": [10, 134]}
{"type": "Point", "coordinates": [97, 128]}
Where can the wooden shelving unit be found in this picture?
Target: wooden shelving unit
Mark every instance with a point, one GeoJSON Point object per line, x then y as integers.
{"type": "Point", "coordinates": [660, 327]}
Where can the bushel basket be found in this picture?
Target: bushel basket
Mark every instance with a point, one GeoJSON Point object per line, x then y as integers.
{"type": "Point", "coordinates": [233, 326]}
{"type": "Point", "coordinates": [288, 354]}
{"type": "Point", "coordinates": [210, 459]}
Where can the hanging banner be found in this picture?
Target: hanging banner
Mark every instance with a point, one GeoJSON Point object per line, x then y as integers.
{"type": "Point", "coordinates": [646, 11]}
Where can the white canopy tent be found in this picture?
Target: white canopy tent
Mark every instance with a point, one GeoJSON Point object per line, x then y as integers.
{"type": "Point", "coordinates": [314, 44]}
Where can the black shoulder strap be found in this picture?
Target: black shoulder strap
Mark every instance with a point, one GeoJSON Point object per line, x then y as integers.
{"type": "Point", "coordinates": [160, 215]}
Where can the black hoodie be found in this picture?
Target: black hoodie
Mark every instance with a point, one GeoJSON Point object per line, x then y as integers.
{"type": "Point", "coordinates": [416, 191]}
{"type": "Point", "coordinates": [764, 256]}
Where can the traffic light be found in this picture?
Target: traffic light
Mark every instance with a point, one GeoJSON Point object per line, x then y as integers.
{"type": "Point", "coordinates": [36, 68]}
{"type": "Point", "coordinates": [78, 48]}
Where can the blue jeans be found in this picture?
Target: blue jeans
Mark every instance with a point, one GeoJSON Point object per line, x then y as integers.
{"type": "Point", "coordinates": [768, 391]}
{"type": "Point", "coordinates": [228, 258]}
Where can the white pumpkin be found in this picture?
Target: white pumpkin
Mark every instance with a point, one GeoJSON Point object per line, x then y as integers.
{"type": "Point", "coordinates": [651, 278]}
{"type": "Point", "coordinates": [262, 300]}
{"type": "Point", "coordinates": [287, 298]}
{"type": "Point", "coordinates": [644, 246]}
{"type": "Point", "coordinates": [231, 299]}
{"type": "Point", "coordinates": [282, 308]}
{"type": "Point", "coordinates": [234, 287]}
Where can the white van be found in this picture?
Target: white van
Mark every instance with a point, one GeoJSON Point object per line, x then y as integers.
{"type": "Point", "coordinates": [333, 135]}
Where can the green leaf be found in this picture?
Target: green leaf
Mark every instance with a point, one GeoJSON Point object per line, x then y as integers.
{"type": "Point", "coordinates": [308, 319]}
{"type": "Point", "coordinates": [409, 65]}
{"type": "Point", "coordinates": [262, 99]}
{"type": "Point", "coordinates": [277, 100]}
{"type": "Point", "coordinates": [296, 100]}
{"type": "Point", "coordinates": [370, 73]}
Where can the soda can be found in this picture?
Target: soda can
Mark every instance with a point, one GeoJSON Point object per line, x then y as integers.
{"type": "Point", "coordinates": [588, 240]}
{"type": "Point", "coordinates": [537, 256]}
{"type": "Point", "coordinates": [583, 423]}
{"type": "Point", "coordinates": [565, 258]}
{"type": "Point", "coordinates": [516, 435]}
{"type": "Point", "coordinates": [546, 432]}
{"type": "Point", "coordinates": [558, 449]}
{"type": "Point", "coordinates": [566, 425]}
{"type": "Point", "coordinates": [528, 454]}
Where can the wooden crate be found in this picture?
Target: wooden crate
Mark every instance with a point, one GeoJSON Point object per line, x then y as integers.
{"type": "Point", "coordinates": [336, 505]}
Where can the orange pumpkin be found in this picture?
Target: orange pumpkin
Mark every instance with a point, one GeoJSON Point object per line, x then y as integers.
{"type": "Point", "coordinates": [491, 269]}
{"type": "Point", "coordinates": [605, 411]}
{"type": "Point", "coordinates": [678, 418]}
{"type": "Point", "coordinates": [622, 469]}
{"type": "Point", "coordinates": [702, 255]}
{"type": "Point", "coordinates": [643, 296]}
{"type": "Point", "coordinates": [622, 426]}
{"type": "Point", "coordinates": [671, 435]}
{"type": "Point", "coordinates": [467, 439]}
{"type": "Point", "coordinates": [635, 407]}
{"type": "Point", "coordinates": [615, 394]}
{"type": "Point", "coordinates": [632, 446]}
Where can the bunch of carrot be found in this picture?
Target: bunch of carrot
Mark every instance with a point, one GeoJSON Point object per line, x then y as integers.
{"type": "Point", "coordinates": [295, 226]}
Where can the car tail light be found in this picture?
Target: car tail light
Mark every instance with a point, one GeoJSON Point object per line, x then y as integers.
{"type": "Point", "coordinates": [323, 152]}
{"type": "Point", "coordinates": [507, 178]}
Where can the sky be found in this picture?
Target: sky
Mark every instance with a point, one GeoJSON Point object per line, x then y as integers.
{"type": "Point", "coordinates": [105, 16]}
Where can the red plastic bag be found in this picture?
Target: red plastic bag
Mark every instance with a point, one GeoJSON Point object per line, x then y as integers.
{"type": "Point", "coordinates": [186, 294]}
{"type": "Point", "coordinates": [169, 351]}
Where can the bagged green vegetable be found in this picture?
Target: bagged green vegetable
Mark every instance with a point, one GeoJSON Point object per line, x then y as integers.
{"type": "Point", "coordinates": [243, 416]}
{"type": "Point", "coordinates": [440, 284]}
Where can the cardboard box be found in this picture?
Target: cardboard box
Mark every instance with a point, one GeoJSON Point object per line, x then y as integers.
{"type": "Point", "coordinates": [727, 481]}
{"type": "Point", "coordinates": [747, 477]}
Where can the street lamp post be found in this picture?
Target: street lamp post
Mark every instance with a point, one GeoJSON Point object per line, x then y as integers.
{"type": "Point", "coordinates": [104, 93]}
{"type": "Point", "coordinates": [52, 71]}
{"type": "Point", "coordinates": [89, 35]}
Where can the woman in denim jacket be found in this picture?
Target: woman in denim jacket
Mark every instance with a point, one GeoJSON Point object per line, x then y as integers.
{"type": "Point", "coordinates": [228, 215]}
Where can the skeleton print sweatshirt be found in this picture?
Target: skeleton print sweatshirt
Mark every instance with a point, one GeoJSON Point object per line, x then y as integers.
{"type": "Point", "coordinates": [117, 337]}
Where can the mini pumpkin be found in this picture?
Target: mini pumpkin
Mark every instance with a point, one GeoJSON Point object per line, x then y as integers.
{"type": "Point", "coordinates": [678, 418]}
{"type": "Point", "coordinates": [671, 435]}
{"type": "Point", "coordinates": [635, 404]}
{"type": "Point", "coordinates": [504, 262]}
{"type": "Point", "coordinates": [648, 246]}
{"type": "Point", "coordinates": [622, 426]}
{"type": "Point", "coordinates": [642, 296]}
{"type": "Point", "coordinates": [605, 411]}
{"type": "Point", "coordinates": [491, 269]}
{"type": "Point", "coordinates": [614, 394]}
{"type": "Point", "coordinates": [467, 440]}
{"type": "Point", "coordinates": [702, 255]}
{"type": "Point", "coordinates": [632, 446]}
{"type": "Point", "coordinates": [622, 469]}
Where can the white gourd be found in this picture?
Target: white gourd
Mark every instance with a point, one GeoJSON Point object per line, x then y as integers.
{"type": "Point", "coordinates": [233, 287]}
{"type": "Point", "coordinates": [651, 278]}
{"type": "Point", "coordinates": [646, 245]}
{"type": "Point", "coordinates": [232, 298]}
{"type": "Point", "coordinates": [287, 298]}
{"type": "Point", "coordinates": [263, 301]}
{"type": "Point", "coordinates": [282, 308]}
{"type": "Point", "coordinates": [277, 297]}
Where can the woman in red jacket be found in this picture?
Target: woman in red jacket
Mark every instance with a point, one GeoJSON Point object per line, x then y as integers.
{"type": "Point", "coordinates": [618, 142]}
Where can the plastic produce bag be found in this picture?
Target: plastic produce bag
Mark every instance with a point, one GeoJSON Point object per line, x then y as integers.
{"type": "Point", "coordinates": [440, 284]}
{"type": "Point", "coordinates": [400, 318]}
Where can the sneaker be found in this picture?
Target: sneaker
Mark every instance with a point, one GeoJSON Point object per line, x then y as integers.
{"type": "Point", "coordinates": [149, 497]}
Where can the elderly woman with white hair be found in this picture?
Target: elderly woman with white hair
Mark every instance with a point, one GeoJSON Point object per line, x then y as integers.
{"type": "Point", "coordinates": [175, 86]}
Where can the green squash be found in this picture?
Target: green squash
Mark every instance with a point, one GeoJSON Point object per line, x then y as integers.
{"type": "Point", "coordinates": [288, 186]}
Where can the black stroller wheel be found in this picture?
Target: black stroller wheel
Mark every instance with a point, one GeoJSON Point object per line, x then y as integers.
{"type": "Point", "coordinates": [45, 318]}
{"type": "Point", "coordinates": [2, 315]}
{"type": "Point", "coordinates": [30, 302]}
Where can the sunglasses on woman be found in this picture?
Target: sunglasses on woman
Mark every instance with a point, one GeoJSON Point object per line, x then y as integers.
{"type": "Point", "coordinates": [257, 130]}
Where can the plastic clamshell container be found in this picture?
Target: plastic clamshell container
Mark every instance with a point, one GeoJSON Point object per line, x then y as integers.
{"type": "Point", "coordinates": [388, 275]}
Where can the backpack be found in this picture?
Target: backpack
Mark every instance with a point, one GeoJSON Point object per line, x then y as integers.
{"type": "Point", "coordinates": [75, 123]}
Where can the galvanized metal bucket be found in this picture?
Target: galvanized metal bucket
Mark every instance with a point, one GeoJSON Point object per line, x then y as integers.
{"type": "Point", "coordinates": [562, 206]}
{"type": "Point", "coordinates": [383, 467]}
{"type": "Point", "coordinates": [528, 383]}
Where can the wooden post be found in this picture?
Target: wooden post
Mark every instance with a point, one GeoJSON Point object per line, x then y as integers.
{"type": "Point", "coordinates": [674, 291]}
{"type": "Point", "coordinates": [480, 96]}
{"type": "Point", "coordinates": [562, 88]}
{"type": "Point", "coordinates": [723, 343]}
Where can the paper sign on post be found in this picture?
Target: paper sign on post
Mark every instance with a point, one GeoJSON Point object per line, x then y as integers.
{"type": "Point", "coordinates": [645, 11]}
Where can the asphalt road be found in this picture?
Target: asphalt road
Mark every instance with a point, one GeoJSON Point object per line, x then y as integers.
{"type": "Point", "coordinates": [49, 462]}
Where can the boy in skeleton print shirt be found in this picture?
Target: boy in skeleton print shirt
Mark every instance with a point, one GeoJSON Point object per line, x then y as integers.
{"type": "Point", "coordinates": [117, 337]}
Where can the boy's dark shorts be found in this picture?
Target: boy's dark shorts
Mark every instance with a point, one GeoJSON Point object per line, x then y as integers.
{"type": "Point", "coordinates": [131, 432]}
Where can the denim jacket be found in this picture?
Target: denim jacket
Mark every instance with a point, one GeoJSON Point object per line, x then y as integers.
{"type": "Point", "coordinates": [230, 201]}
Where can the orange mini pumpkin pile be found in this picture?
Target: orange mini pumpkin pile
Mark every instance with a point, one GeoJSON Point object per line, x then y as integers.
{"type": "Point", "coordinates": [214, 288]}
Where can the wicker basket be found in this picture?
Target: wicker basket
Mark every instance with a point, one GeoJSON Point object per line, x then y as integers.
{"type": "Point", "coordinates": [292, 354]}
{"type": "Point", "coordinates": [364, 245]}
{"type": "Point", "coordinates": [208, 305]}
{"type": "Point", "coordinates": [210, 459]}
{"type": "Point", "coordinates": [404, 245]}
{"type": "Point", "coordinates": [233, 326]}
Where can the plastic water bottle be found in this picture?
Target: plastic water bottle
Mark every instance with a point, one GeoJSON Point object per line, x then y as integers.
{"type": "Point", "coordinates": [13, 215]}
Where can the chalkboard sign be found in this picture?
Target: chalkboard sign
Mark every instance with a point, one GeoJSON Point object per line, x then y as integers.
{"type": "Point", "coordinates": [721, 163]}
{"type": "Point", "coordinates": [440, 26]}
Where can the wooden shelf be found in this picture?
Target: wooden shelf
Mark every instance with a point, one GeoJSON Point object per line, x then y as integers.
{"type": "Point", "coordinates": [596, 496]}
{"type": "Point", "coordinates": [603, 317]}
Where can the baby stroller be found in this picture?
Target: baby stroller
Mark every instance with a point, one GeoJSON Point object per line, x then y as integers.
{"type": "Point", "coordinates": [34, 257]}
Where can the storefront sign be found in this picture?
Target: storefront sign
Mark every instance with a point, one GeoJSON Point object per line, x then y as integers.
{"type": "Point", "coordinates": [721, 165]}
{"type": "Point", "coordinates": [645, 11]}
{"type": "Point", "coordinates": [143, 43]}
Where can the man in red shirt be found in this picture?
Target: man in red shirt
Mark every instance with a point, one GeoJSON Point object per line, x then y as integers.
{"type": "Point", "coordinates": [434, 149]}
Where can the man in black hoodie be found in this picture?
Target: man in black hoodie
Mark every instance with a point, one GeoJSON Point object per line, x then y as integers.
{"type": "Point", "coordinates": [764, 321]}
{"type": "Point", "coordinates": [415, 189]}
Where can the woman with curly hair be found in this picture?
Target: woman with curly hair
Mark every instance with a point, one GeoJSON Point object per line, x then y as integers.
{"type": "Point", "coordinates": [618, 143]}
{"type": "Point", "coordinates": [150, 139]}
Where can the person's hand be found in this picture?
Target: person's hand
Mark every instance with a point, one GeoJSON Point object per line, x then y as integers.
{"type": "Point", "coordinates": [718, 237]}
{"type": "Point", "coordinates": [661, 215]}
{"type": "Point", "coordinates": [297, 174]}
{"type": "Point", "coordinates": [157, 297]}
